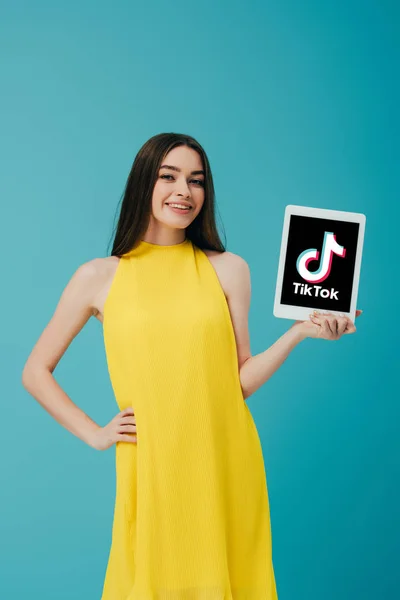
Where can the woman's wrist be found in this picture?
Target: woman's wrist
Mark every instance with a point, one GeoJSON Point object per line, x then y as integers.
{"type": "Point", "coordinates": [300, 330]}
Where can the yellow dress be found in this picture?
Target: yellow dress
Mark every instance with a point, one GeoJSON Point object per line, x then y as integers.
{"type": "Point", "coordinates": [191, 515]}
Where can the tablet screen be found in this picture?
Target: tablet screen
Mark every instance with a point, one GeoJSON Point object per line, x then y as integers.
{"type": "Point", "coordinates": [319, 265]}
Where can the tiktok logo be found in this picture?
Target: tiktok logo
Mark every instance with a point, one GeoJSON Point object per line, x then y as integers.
{"type": "Point", "coordinates": [329, 248]}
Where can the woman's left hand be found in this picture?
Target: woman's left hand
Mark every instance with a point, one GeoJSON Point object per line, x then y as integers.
{"type": "Point", "coordinates": [326, 326]}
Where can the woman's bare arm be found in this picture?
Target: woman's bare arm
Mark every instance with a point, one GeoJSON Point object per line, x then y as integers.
{"type": "Point", "coordinates": [75, 307]}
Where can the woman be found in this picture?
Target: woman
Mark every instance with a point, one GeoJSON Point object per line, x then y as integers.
{"type": "Point", "coordinates": [191, 516]}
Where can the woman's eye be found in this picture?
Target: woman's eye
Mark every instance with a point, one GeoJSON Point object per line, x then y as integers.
{"type": "Point", "coordinates": [199, 181]}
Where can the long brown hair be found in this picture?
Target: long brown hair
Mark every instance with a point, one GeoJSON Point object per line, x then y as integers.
{"type": "Point", "coordinates": [136, 206]}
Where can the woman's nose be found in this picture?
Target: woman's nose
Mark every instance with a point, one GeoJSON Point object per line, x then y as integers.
{"type": "Point", "coordinates": [183, 188]}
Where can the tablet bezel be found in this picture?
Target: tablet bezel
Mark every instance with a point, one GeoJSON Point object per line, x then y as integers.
{"type": "Point", "coordinates": [287, 311]}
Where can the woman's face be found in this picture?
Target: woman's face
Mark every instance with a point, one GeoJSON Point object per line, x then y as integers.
{"type": "Point", "coordinates": [182, 184]}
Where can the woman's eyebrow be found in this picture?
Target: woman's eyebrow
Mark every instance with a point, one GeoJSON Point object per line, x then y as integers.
{"type": "Point", "coordinates": [179, 170]}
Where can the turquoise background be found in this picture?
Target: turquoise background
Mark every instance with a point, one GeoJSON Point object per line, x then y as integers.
{"type": "Point", "coordinates": [295, 103]}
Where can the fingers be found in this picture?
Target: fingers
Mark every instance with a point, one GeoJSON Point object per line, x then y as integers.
{"type": "Point", "coordinates": [342, 325]}
{"type": "Point", "coordinates": [125, 437]}
{"type": "Point", "coordinates": [337, 324]}
{"type": "Point", "coordinates": [351, 328]}
{"type": "Point", "coordinates": [333, 326]}
{"type": "Point", "coordinates": [128, 420]}
{"type": "Point", "coordinates": [126, 425]}
{"type": "Point", "coordinates": [126, 416]}
{"type": "Point", "coordinates": [326, 329]}
{"type": "Point", "coordinates": [127, 411]}
{"type": "Point", "coordinates": [347, 326]}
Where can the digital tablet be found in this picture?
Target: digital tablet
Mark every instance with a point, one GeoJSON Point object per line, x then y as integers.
{"type": "Point", "coordinates": [319, 262]}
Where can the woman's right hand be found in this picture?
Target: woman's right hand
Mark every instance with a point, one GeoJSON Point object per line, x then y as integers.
{"type": "Point", "coordinates": [117, 430]}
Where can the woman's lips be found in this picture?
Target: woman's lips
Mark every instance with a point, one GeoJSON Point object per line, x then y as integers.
{"type": "Point", "coordinates": [181, 211]}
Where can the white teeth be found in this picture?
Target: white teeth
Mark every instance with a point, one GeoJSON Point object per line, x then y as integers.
{"type": "Point", "coordinates": [180, 206]}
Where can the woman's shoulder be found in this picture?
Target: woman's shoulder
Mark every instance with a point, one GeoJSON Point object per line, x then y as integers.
{"type": "Point", "coordinates": [227, 266]}
{"type": "Point", "coordinates": [98, 268]}
{"type": "Point", "coordinates": [98, 273]}
{"type": "Point", "coordinates": [230, 259]}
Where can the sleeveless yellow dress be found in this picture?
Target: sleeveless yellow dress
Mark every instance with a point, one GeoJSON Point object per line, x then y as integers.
{"type": "Point", "coordinates": [191, 515]}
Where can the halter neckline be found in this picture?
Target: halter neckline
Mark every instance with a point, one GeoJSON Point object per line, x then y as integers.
{"type": "Point", "coordinates": [164, 246]}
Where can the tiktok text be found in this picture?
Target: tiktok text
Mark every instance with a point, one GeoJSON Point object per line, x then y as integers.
{"type": "Point", "coordinates": [315, 290]}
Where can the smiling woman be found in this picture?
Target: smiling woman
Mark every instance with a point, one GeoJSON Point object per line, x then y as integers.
{"type": "Point", "coordinates": [192, 513]}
